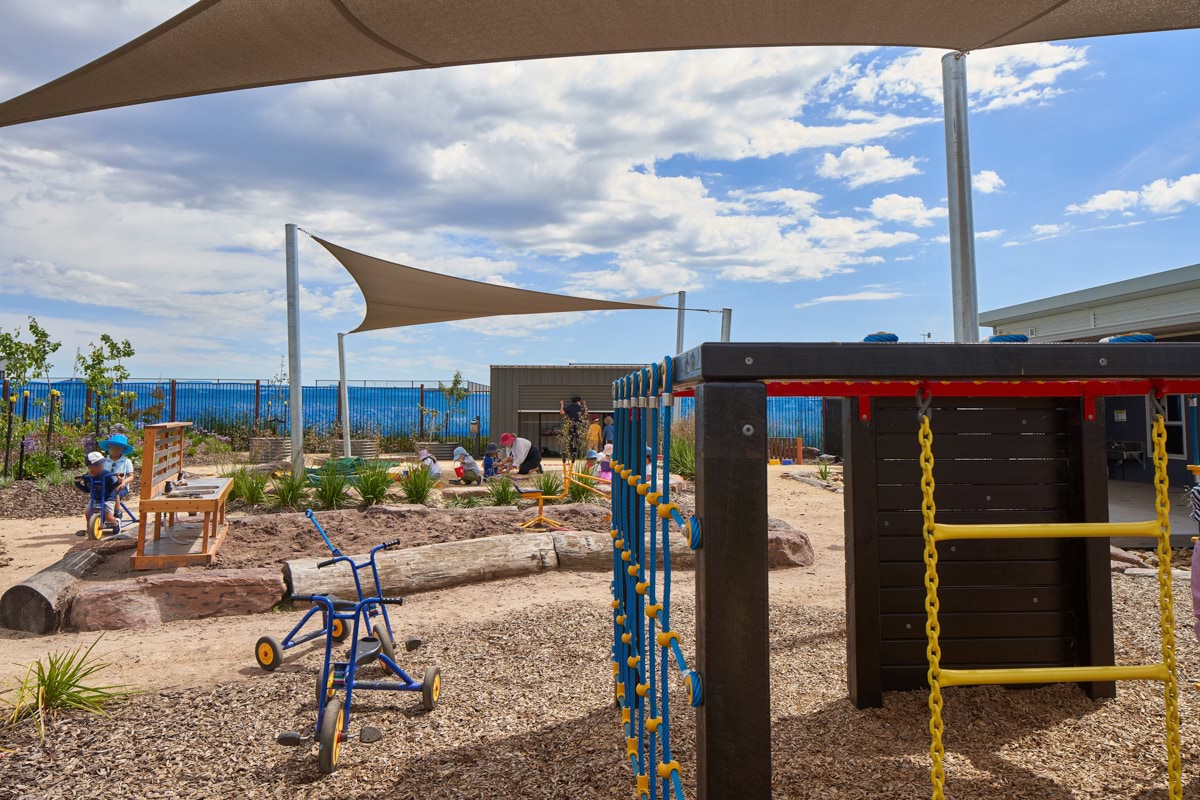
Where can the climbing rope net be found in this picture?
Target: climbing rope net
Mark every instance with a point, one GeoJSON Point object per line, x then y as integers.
{"type": "Point", "coordinates": [1158, 528]}
{"type": "Point", "coordinates": [646, 649]}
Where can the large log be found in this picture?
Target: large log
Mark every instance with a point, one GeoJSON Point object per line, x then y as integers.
{"type": "Point", "coordinates": [431, 566]}
{"type": "Point", "coordinates": [154, 599]}
{"type": "Point", "coordinates": [593, 551]}
{"type": "Point", "coordinates": [39, 603]}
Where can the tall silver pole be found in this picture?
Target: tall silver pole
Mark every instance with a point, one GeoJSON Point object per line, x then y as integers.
{"type": "Point", "coordinates": [295, 392]}
{"type": "Point", "coordinates": [958, 180]}
{"type": "Point", "coordinates": [679, 324]}
{"type": "Point", "coordinates": [726, 323]}
{"type": "Point", "coordinates": [344, 394]}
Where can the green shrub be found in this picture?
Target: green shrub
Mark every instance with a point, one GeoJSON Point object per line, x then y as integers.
{"type": "Point", "coordinates": [61, 680]}
{"type": "Point", "coordinates": [332, 491]}
{"type": "Point", "coordinates": [417, 485]}
{"type": "Point", "coordinates": [683, 457]}
{"type": "Point", "coordinates": [38, 465]}
{"type": "Point", "coordinates": [374, 482]}
{"type": "Point", "coordinates": [550, 484]}
{"type": "Point", "coordinates": [577, 490]}
{"type": "Point", "coordinates": [824, 472]}
{"type": "Point", "coordinates": [248, 486]}
{"type": "Point", "coordinates": [71, 457]}
{"type": "Point", "coordinates": [463, 501]}
{"type": "Point", "coordinates": [290, 490]}
{"type": "Point", "coordinates": [503, 492]}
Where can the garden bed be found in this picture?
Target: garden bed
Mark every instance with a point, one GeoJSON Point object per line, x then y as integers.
{"type": "Point", "coordinates": [25, 500]}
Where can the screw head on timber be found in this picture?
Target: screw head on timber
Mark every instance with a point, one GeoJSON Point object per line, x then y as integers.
{"type": "Point", "coordinates": [1104, 362]}
{"type": "Point", "coordinates": [749, 360]}
{"type": "Point", "coordinates": [747, 430]}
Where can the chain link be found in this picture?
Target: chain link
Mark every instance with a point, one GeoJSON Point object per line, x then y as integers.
{"type": "Point", "coordinates": [933, 651]}
{"type": "Point", "coordinates": [1162, 505]}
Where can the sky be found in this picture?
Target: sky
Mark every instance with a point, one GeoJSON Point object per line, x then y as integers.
{"type": "Point", "coordinates": [802, 187]}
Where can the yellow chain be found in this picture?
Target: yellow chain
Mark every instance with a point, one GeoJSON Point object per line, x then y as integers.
{"type": "Point", "coordinates": [1162, 505]}
{"type": "Point", "coordinates": [932, 629]}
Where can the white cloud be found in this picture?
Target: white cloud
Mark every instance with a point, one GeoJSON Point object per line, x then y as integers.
{"type": "Point", "coordinates": [1047, 230]}
{"type": "Point", "coordinates": [868, 295]}
{"type": "Point", "coordinates": [801, 203]}
{"type": "Point", "coordinates": [992, 234]}
{"type": "Point", "coordinates": [911, 210]}
{"type": "Point", "coordinates": [858, 166]}
{"type": "Point", "coordinates": [987, 182]}
{"type": "Point", "coordinates": [1163, 196]}
{"type": "Point", "coordinates": [996, 78]}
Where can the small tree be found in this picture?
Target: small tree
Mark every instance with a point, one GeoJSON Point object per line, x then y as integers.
{"type": "Point", "coordinates": [103, 368]}
{"type": "Point", "coordinates": [27, 359]}
{"type": "Point", "coordinates": [455, 395]}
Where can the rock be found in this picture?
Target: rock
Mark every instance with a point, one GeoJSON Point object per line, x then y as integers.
{"type": "Point", "coordinates": [1117, 554]}
{"type": "Point", "coordinates": [1117, 566]}
{"type": "Point", "coordinates": [153, 599]}
{"type": "Point", "coordinates": [776, 524]}
{"type": "Point", "coordinates": [789, 548]}
{"type": "Point", "coordinates": [1176, 574]}
{"type": "Point", "coordinates": [811, 453]}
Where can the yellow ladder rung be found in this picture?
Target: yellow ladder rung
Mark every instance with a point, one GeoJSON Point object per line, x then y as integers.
{"type": "Point", "coordinates": [981, 677]}
{"type": "Point", "coordinates": [943, 533]}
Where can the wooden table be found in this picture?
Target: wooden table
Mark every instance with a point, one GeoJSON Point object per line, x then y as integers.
{"type": "Point", "coordinates": [187, 542]}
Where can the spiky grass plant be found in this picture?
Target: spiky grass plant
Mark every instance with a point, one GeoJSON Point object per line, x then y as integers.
{"type": "Point", "coordinates": [63, 680]}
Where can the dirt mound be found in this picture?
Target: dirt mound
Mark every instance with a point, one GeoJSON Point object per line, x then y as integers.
{"type": "Point", "coordinates": [257, 541]}
{"type": "Point", "coordinates": [24, 500]}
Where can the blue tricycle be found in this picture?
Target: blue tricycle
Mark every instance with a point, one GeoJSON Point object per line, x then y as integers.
{"type": "Point", "coordinates": [333, 712]}
{"type": "Point", "coordinates": [97, 528]}
{"type": "Point", "coordinates": [268, 650]}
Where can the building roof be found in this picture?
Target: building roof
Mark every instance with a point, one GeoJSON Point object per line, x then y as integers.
{"type": "Point", "coordinates": [1163, 302]}
{"type": "Point", "coordinates": [224, 45]}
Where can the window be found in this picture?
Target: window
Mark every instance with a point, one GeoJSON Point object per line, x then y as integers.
{"type": "Point", "coordinates": [1176, 440]}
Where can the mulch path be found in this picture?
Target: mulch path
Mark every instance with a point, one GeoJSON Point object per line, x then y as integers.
{"type": "Point", "coordinates": [527, 712]}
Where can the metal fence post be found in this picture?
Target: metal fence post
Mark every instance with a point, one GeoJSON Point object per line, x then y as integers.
{"type": "Point", "coordinates": [174, 407]}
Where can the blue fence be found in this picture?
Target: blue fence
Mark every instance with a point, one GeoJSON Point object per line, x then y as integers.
{"type": "Point", "coordinates": [383, 410]}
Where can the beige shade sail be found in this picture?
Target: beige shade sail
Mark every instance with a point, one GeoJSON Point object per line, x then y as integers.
{"type": "Point", "coordinates": [222, 45]}
{"type": "Point", "coordinates": [398, 296]}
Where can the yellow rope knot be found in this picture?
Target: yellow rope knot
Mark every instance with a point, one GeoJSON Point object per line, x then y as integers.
{"type": "Point", "coordinates": [625, 473]}
{"type": "Point", "coordinates": [642, 689]}
{"type": "Point", "coordinates": [619, 543]}
{"type": "Point", "coordinates": [643, 488]}
{"type": "Point", "coordinates": [653, 498]}
{"type": "Point", "coordinates": [614, 533]}
{"type": "Point", "coordinates": [633, 480]}
{"type": "Point", "coordinates": [665, 510]}
{"type": "Point", "coordinates": [643, 786]}
{"type": "Point", "coordinates": [642, 587]}
{"type": "Point", "coordinates": [653, 723]}
{"type": "Point", "coordinates": [665, 769]}
{"type": "Point", "coordinates": [626, 638]}
{"type": "Point", "coordinates": [633, 661]}
{"type": "Point", "coordinates": [666, 637]}
{"type": "Point", "coordinates": [620, 619]}
{"type": "Point", "coordinates": [652, 610]}
{"type": "Point", "coordinates": [626, 555]}
{"type": "Point", "coordinates": [633, 569]}
{"type": "Point", "coordinates": [631, 746]}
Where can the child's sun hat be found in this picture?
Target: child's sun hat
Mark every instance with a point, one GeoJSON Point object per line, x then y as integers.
{"type": "Point", "coordinates": [95, 457]}
{"type": "Point", "coordinates": [116, 440]}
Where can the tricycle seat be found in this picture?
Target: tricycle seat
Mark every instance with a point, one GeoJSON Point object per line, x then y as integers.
{"type": "Point", "coordinates": [368, 650]}
{"type": "Point", "coordinates": [341, 605]}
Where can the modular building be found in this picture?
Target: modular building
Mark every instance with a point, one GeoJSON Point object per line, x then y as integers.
{"type": "Point", "coordinates": [1165, 304]}
{"type": "Point", "coordinates": [525, 399]}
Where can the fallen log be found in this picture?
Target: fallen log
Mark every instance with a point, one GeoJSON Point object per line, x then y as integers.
{"type": "Point", "coordinates": [431, 566]}
{"type": "Point", "coordinates": [39, 603]}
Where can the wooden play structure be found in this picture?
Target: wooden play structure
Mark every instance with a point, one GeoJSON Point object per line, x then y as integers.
{"type": "Point", "coordinates": [176, 541]}
{"type": "Point", "coordinates": [995, 573]}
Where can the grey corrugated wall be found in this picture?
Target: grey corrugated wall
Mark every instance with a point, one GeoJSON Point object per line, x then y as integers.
{"type": "Point", "coordinates": [506, 383]}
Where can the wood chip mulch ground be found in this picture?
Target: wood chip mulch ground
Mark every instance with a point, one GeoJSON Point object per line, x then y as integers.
{"type": "Point", "coordinates": [24, 500]}
{"type": "Point", "coordinates": [527, 713]}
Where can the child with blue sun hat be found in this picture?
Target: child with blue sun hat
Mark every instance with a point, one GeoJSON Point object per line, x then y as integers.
{"type": "Point", "coordinates": [118, 448]}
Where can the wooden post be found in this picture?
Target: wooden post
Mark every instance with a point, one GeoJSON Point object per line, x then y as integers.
{"type": "Point", "coordinates": [863, 663]}
{"type": "Point", "coordinates": [733, 729]}
{"type": "Point", "coordinates": [257, 403]}
{"type": "Point", "coordinates": [87, 404]}
{"type": "Point", "coordinates": [174, 414]}
{"type": "Point", "coordinates": [799, 449]}
{"type": "Point", "coordinates": [1089, 503]}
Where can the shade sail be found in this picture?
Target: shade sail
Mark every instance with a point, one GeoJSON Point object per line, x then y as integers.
{"type": "Point", "coordinates": [222, 45]}
{"type": "Point", "coordinates": [398, 296]}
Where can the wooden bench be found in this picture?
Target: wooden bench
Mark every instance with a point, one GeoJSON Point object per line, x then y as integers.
{"type": "Point", "coordinates": [185, 543]}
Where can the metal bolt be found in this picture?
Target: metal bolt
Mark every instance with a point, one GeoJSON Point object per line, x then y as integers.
{"type": "Point", "coordinates": [747, 430]}
{"type": "Point", "coordinates": [1035, 600]}
{"type": "Point", "coordinates": [1104, 362]}
{"type": "Point", "coordinates": [749, 360]}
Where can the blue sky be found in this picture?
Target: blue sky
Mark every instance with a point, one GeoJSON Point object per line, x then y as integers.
{"type": "Point", "coordinates": [804, 188]}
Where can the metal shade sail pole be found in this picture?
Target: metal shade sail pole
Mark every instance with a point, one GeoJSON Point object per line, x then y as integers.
{"type": "Point", "coordinates": [295, 392]}
{"type": "Point", "coordinates": [958, 180]}
{"type": "Point", "coordinates": [726, 323]}
{"type": "Point", "coordinates": [679, 324]}
{"type": "Point", "coordinates": [344, 395]}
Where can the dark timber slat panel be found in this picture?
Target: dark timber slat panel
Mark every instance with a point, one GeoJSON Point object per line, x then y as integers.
{"type": "Point", "coordinates": [993, 420]}
{"type": "Point", "coordinates": [911, 548]}
{"type": "Point", "coordinates": [981, 573]}
{"type": "Point", "coordinates": [904, 679]}
{"type": "Point", "coordinates": [981, 598]}
{"type": "Point", "coordinates": [986, 445]}
{"type": "Point", "coordinates": [982, 498]}
{"type": "Point", "coordinates": [909, 523]}
{"type": "Point", "coordinates": [947, 472]}
{"type": "Point", "coordinates": [994, 651]}
{"type": "Point", "coordinates": [959, 625]}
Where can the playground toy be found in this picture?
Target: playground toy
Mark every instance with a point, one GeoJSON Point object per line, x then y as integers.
{"type": "Point", "coordinates": [1022, 430]}
{"type": "Point", "coordinates": [165, 494]}
{"type": "Point", "coordinates": [533, 493]}
{"type": "Point", "coordinates": [268, 650]}
{"type": "Point", "coordinates": [97, 525]}
{"type": "Point", "coordinates": [644, 643]}
{"type": "Point", "coordinates": [333, 712]}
